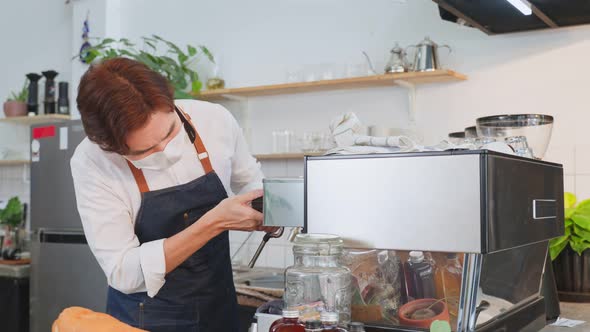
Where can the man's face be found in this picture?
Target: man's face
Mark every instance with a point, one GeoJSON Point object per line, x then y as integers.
{"type": "Point", "coordinates": [161, 127]}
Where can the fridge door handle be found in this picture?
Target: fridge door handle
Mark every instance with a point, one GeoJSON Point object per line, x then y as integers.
{"type": "Point", "coordinates": [52, 236]}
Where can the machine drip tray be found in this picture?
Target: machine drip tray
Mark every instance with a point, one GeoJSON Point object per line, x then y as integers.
{"type": "Point", "coordinates": [528, 318]}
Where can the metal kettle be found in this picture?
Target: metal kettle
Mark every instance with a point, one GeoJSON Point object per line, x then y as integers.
{"type": "Point", "coordinates": [397, 60]}
{"type": "Point", "coordinates": [426, 58]}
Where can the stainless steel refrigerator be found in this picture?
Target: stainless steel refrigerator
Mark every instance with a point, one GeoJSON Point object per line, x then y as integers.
{"type": "Point", "coordinates": [64, 272]}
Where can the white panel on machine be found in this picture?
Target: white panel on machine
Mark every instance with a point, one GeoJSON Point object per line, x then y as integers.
{"type": "Point", "coordinates": [395, 202]}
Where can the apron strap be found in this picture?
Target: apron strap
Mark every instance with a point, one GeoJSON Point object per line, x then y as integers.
{"type": "Point", "coordinates": [202, 153]}
{"type": "Point", "coordinates": [139, 178]}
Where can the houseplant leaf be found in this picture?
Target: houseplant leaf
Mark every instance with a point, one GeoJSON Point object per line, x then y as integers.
{"type": "Point", "coordinates": [191, 50]}
{"type": "Point", "coordinates": [557, 245]}
{"type": "Point", "coordinates": [579, 244]}
{"type": "Point", "coordinates": [12, 214]}
{"type": "Point", "coordinates": [207, 53]}
{"type": "Point", "coordinates": [569, 200]}
{"type": "Point", "coordinates": [581, 220]}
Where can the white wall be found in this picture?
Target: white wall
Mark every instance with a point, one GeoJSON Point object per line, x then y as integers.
{"type": "Point", "coordinates": [259, 41]}
{"type": "Point", "coordinates": [36, 36]}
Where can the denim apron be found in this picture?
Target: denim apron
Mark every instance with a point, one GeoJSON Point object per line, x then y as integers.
{"type": "Point", "coordinates": [199, 295]}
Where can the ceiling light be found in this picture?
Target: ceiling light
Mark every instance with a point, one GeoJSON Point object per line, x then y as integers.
{"type": "Point", "coordinates": [523, 5]}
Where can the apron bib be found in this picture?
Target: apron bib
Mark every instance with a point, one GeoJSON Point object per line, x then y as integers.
{"type": "Point", "coordinates": [199, 295]}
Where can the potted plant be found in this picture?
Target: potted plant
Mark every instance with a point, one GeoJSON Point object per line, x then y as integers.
{"type": "Point", "coordinates": [571, 252]}
{"type": "Point", "coordinates": [16, 104]}
{"type": "Point", "coordinates": [174, 63]}
{"type": "Point", "coordinates": [11, 217]}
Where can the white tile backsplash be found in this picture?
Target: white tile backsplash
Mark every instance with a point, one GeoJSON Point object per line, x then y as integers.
{"type": "Point", "coordinates": [569, 183]}
{"type": "Point", "coordinates": [582, 159]}
{"type": "Point", "coordinates": [565, 155]}
{"type": "Point", "coordinates": [582, 186]}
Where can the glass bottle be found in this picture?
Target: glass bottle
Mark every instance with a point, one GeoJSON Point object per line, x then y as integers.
{"type": "Point", "coordinates": [313, 326]}
{"type": "Point", "coordinates": [289, 323]}
{"type": "Point", "coordinates": [318, 281]}
{"type": "Point", "coordinates": [330, 322]}
{"type": "Point", "coordinates": [419, 277]}
{"type": "Point", "coordinates": [452, 273]}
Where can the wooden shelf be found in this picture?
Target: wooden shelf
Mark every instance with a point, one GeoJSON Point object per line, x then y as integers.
{"type": "Point", "coordinates": [14, 162]}
{"type": "Point", "coordinates": [31, 120]}
{"type": "Point", "coordinates": [282, 156]}
{"type": "Point", "coordinates": [437, 76]}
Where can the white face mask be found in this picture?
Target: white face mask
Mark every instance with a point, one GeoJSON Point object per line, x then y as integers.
{"type": "Point", "coordinates": [162, 160]}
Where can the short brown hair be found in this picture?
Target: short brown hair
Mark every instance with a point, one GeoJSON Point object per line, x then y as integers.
{"type": "Point", "coordinates": [116, 97]}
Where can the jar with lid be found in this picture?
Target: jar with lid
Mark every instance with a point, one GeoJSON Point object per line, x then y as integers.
{"type": "Point", "coordinates": [318, 281]}
{"type": "Point", "coordinates": [330, 322]}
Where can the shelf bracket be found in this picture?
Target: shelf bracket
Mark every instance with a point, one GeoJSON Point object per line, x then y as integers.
{"type": "Point", "coordinates": [411, 98]}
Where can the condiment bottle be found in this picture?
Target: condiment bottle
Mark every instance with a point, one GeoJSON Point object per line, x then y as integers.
{"type": "Point", "coordinates": [313, 326]}
{"type": "Point", "coordinates": [289, 323]}
{"type": "Point", "coordinates": [452, 273]}
{"type": "Point", "coordinates": [330, 322]}
{"type": "Point", "coordinates": [419, 277]}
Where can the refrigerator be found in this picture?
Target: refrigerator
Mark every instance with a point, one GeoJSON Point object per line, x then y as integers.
{"type": "Point", "coordinates": [64, 272]}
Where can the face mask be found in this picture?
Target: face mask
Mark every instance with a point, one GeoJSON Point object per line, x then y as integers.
{"type": "Point", "coordinates": [162, 160]}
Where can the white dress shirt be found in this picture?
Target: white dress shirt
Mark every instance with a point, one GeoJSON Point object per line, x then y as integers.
{"type": "Point", "coordinates": [108, 198]}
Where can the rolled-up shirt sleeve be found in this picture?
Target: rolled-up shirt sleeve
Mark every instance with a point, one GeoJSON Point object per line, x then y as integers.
{"type": "Point", "coordinates": [109, 229]}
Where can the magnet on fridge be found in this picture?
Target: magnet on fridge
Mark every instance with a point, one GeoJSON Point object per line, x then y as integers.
{"type": "Point", "coordinates": [35, 149]}
{"type": "Point", "coordinates": [63, 138]}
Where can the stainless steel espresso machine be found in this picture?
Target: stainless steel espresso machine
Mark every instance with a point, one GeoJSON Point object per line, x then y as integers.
{"type": "Point", "coordinates": [497, 211]}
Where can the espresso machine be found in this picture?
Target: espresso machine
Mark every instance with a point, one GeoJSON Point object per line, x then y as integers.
{"type": "Point", "coordinates": [498, 210]}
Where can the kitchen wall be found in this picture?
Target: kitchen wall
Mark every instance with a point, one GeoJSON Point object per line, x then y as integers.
{"type": "Point", "coordinates": [36, 36]}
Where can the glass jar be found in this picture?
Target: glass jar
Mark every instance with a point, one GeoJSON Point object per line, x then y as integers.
{"type": "Point", "coordinates": [318, 281]}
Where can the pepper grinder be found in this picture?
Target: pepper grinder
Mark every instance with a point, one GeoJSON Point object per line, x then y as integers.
{"type": "Point", "coordinates": [49, 101]}
{"type": "Point", "coordinates": [33, 99]}
{"type": "Point", "coordinates": [63, 102]}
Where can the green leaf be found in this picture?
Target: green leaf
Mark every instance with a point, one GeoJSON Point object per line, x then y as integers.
{"type": "Point", "coordinates": [191, 50]}
{"type": "Point", "coordinates": [196, 86]}
{"type": "Point", "coordinates": [557, 245]}
{"type": "Point", "coordinates": [569, 212]}
{"type": "Point", "coordinates": [583, 208]}
{"type": "Point", "coordinates": [568, 222]}
{"type": "Point", "coordinates": [583, 233]}
{"type": "Point", "coordinates": [581, 220]}
{"type": "Point", "coordinates": [182, 58]}
{"type": "Point", "coordinates": [207, 53]}
{"type": "Point", "coordinates": [12, 214]}
{"type": "Point", "coordinates": [150, 44]}
{"type": "Point", "coordinates": [126, 42]}
{"type": "Point", "coordinates": [440, 326]}
{"type": "Point", "coordinates": [569, 200]}
{"type": "Point", "coordinates": [579, 244]}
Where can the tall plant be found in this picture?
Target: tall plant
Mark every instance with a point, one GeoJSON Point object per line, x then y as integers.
{"type": "Point", "coordinates": [172, 62]}
{"type": "Point", "coordinates": [577, 227]}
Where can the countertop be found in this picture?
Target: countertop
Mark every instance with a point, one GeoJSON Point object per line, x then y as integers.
{"type": "Point", "coordinates": [15, 271]}
{"type": "Point", "coordinates": [578, 311]}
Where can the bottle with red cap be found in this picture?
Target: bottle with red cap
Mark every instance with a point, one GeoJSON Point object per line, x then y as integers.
{"type": "Point", "coordinates": [289, 323]}
{"type": "Point", "coordinates": [330, 322]}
